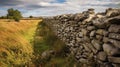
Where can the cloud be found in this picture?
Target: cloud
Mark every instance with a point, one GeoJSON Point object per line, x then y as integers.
{"type": "Point", "coordinates": [9, 2]}
{"type": "Point", "coordinates": [55, 7]}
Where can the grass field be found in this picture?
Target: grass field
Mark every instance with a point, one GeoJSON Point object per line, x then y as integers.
{"type": "Point", "coordinates": [45, 41]}
{"type": "Point", "coordinates": [16, 42]}
{"type": "Point", "coordinates": [22, 44]}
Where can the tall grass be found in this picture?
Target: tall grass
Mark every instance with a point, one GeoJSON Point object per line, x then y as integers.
{"type": "Point", "coordinates": [46, 40]}
{"type": "Point", "coordinates": [15, 47]}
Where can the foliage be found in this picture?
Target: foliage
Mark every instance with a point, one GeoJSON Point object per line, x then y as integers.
{"type": "Point", "coordinates": [30, 16]}
{"type": "Point", "coordinates": [14, 14]}
{"type": "Point", "coordinates": [45, 40]}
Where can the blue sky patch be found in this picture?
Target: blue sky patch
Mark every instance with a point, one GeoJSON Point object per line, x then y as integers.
{"type": "Point", "coordinates": [60, 1]}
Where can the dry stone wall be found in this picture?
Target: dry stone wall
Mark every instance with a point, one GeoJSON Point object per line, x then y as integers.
{"type": "Point", "coordinates": [90, 36]}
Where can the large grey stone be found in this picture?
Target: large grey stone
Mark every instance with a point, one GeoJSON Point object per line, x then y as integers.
{"type": "Point", "coordinates": [116, 43]}
{"type": "Point", "coordinates": [90, 28]}
{"type": "Point", "coordinates": [100, 22]}
{"type": "Point", "coordinates": [114, 36]}
{"type": "Point", "coordinates": [92, 33]}
{"type": "Point", "coordinates": [86, 47]}
{"type": "Point", "coordinates": [79, 39]}
{"type": "Point", "coordinates": [110, 49]}
{"type": "Point", "coordinates": [79, 17]}
{"type": "Point", "coordinates": [80, 34]}
{"type": "Point", "coordinates": [101, 32]}
{"type": "Point", "coordinates": [114, 28]}
{"type": "Point", "coordinates": [99, 37]}
{"type": "Point", "coordinates": [114, 59]}
{"type": "Point", "coordinates": [83, 60]}
{"type": "Point", "coordinates": [112, 12]}
{"type": "Point", "coordinates": [97, 44]}
{"type": "Point", "coordinates": [105, 39]}
{"type": "Point", "coordinates": [84, 31]}
{"type": "Point", "coordinates": [102, 56]}
{"type": "Point", "coordinates": [91, 47]}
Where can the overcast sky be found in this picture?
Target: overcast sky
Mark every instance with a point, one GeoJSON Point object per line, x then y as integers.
{"type": "Point", "coordinates": [55, 7]}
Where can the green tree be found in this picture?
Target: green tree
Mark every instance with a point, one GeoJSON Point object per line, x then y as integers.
{"type": "Point", "coordinates": [30, 16]}
{"type": "Point", "coordinates": [14, 14]}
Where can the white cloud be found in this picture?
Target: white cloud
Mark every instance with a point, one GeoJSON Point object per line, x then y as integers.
{"type": "Point", "coordinates": [51, 7]}
{"type": "Point", "coordinates": [3, 13]}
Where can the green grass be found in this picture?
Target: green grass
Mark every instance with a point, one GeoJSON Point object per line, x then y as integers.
{"type": "Point", "coordinates": [49, 41]}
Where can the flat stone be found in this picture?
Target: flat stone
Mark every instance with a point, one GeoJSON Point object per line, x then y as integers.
{"type": "Point", "coordinates": [83, 60]}
{"type": "Point", "coordinates": [110, 49]}
{"type": "Point", "coordinates": [92, 33]}
{"type": "Point", "coordinates": [115, 20]}
{"type": "Point", "coordinates": [84, 31]}
{"type": "Point", "coordinates": [105, 39]}
{"type": "Point", "coordinates": [101, 32]}
{"type": "Point", "coordinates": [87, 48]}
{"type": "Point", "coordinates": [78, 39]}
{"type": "Point", "coordinates": [90, 28]}
{"type": "Point", "coordinates": [114, 28]}
{"type": "Point", "coordinates": [101, 22]}
{"type": "Point", "coordinates": [112, 12]}
{"type": "Point", "coordinates": [79, 17]}
{"type": "Point", "coordinates": [114, 36]}
{"type": "Point", "coordinates": [116, 43]}
{"type": "Point", "coordinates": [116, 65]}
{"type": "Point", "coordinates": [99, 37]}
{"type": "Point", "coordinates": [114, 59]}
{"type": "Point", "coordinates": [102, 56]}
{"type": "Point", "coordinates": [91, 47]}
{"type": "Point", "coordinates": [86, 39]}
{"type": "Point", "coordinates": [96, 44]}
{"type": "Point", "coordinates": [80, 34]}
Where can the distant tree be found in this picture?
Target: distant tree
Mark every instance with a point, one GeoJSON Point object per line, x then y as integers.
{"type": "Point", "coordinates": [30, 16]}
{"type": "Point", "coordinates": [3, 17]}
{"type": "Point", "coordinates": [14, 14]}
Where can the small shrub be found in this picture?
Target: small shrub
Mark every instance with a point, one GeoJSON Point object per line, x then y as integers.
{"type": "Point", "coordinates": [17, 19]}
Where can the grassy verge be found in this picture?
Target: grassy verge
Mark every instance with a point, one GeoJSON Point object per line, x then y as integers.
{"type": "Point", "coordinates": [46, 41]}
{"type": "Point", "coordinates": [15, 47]}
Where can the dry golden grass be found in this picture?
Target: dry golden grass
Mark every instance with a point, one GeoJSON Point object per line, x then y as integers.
{"type": "Point", "coordinates": [15, 46]}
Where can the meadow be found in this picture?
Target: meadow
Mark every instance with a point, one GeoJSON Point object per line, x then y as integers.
{"type": "Point", "coordinates": [31, 43]}
{"type": "Point", "coordinates": [16, 38]}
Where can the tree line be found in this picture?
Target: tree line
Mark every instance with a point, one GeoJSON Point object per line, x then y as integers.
{"type": "Point", "coordinates": [13, 14]}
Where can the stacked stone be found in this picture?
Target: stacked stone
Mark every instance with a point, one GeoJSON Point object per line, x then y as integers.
{"type": "Point", "coordinates": [89, 36]}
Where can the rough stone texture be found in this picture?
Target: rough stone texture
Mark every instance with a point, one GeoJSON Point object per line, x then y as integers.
{"type": "Point", "coordinates": [110, 49]}
{"type": "Point", "coordinates": [96, 44]}
{"type": "Point", "coordinates": [114, 28]}
{"type": "Point", "coordinates": [114, 36]}
{"type": "Point", "coordinates": [90, 36]}
{"type": "Point", "coordinates": [116, 43]}
{"type": "Point", "coordinates": [116, 65]}
{"type": "Point", "coordinates": [114, 59]}
{"type": "Point", "coordinates": [102, 56]}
